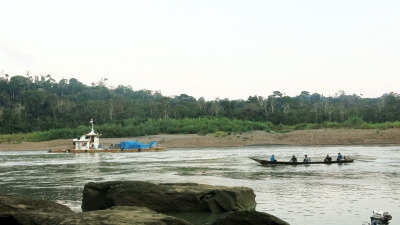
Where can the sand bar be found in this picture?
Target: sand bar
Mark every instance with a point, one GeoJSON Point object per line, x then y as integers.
{"type": "Point", "coordinates": [303, 137]}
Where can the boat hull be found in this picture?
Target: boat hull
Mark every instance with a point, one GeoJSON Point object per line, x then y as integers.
{"type": "Point", "coordinates": [107, 150]}
{"type": "Point", "coordinates": [266, 162]}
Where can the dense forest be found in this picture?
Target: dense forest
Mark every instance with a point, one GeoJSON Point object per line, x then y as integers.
{"type": "Point", "coordinates": [39, 103]}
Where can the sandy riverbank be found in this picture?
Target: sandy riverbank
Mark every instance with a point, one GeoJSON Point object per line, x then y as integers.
{"type": "Point", "coordinates": [304, 137]}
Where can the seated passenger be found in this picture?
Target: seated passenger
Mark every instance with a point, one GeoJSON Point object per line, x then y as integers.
{"type": "Point", "coordinates": [272, 158]}
{"type": "Point", "coordinates": [293, 159]}
{"type": "Point", "coordinates": [306, 159]}
{"type": "Point", "coordinates": [339, 157]}
{"type": "Point", "coordinates": [328, 158]}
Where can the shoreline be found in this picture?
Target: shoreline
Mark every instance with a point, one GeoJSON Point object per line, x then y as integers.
{"type": "Point", "coordinates": [324, 137]}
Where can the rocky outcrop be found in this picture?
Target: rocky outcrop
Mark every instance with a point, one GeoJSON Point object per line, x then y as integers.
{"type": "Point", "coordinates": [18, 210]}
{"type": "Point", "coordinates": [113, 216]}
{"type": "Point", "coordinates": [32, 218]}
{"type": "Point", "coordinates": [123, 215]}
{"type": "Point", "coordinates": [170, 197]}
{"type": "Point", "coordinates": [128, 202]}
{"type": "Point", "coordinates": [248, 218]}
{"type": "Point", "coordinates": [10, 203]}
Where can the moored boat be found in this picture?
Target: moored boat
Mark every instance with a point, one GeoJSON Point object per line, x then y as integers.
{"type": "Point", "coordinates": [267, 162]}
{"type": "Point", "coordinates": [90, 143]}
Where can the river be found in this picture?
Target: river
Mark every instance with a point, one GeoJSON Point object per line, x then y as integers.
{"type": "Point", "coordinates": [304, 194]}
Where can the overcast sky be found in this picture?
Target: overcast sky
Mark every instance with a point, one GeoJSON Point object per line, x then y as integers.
{"type": "Point", "coordinates": [218, 48]}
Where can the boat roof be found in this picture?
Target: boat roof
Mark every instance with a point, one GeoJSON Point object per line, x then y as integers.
{"type": "Point", "coordinates": [92, 133]}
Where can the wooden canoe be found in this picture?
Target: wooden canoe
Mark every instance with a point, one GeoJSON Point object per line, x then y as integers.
{"type": "Point", "coordinates": [267, 162]}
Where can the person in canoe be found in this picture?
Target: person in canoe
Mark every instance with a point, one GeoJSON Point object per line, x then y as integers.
{"type": "Point", "coordinates": [293, 159]}
{"type": "Point", "coordinates": [306, 159]}
{"type": "Point", "coordinates": [339, 157]}
{"type": "Point", "coordinates": [272, 158]}
{"type": "Point", "coordinates": [327, 158]}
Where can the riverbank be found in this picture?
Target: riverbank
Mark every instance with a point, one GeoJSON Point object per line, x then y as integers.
{"type": "Point", "coordinates": [298, 137]}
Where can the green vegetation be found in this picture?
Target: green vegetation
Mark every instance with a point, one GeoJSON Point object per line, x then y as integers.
{"type": "Point", "coordinates": [37, 108]}
{"type": "Point", "coordinates": [134, 127]}
{"type": "Point", "coordinates": [201, 126]}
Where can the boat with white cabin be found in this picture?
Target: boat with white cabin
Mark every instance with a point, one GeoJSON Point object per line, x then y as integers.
{"type": "Point", "coordinates": [90, 143]}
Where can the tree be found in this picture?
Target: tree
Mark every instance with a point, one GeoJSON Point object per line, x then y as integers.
{"type": "Point", "coordinates": [17, 85]}
{"type": "Point", "coordinates": [185, 98]}
{"type": "Point", "coordinates": [49, 83]}
{"type": "Point", "coordinates": [315, 109]}
{"type": "Point", "coordinates": [380, 106]}
{"type": "Point", "coordinates": [229, 107]}
{"type": "Point", "coordinates": [250, 111]}
{"type": "Point", "coordinates": [263, 103]}
{"type": "Point", "coordinates": [253, 99]}
{"type": "Point", "coordinates": [286, 108]}
{"type": "Point", "coordinates": [75, 87]}
{"type": "Point", "coordinates": [277, 94]}
{"type": "Point", "coordinates": [216, 106]}
{"type": "Point", "coordinates": [165, 104]}
{"type": "Point", "coordinates": [102, 82]}
{"type": "Point", "coordinates": [202, 104]}
{"type": "Point", "coordinates": [342, 112]}
{"type": "Point", "coordinates": [62, 85]}
{"type": "Point", "coordinates": [304, 98]}
{"type": "Point", "coordinates": [34, 100]}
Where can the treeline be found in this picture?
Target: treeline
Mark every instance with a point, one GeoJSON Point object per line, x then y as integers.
{"type": "Point", "coordinates": [39, 103]}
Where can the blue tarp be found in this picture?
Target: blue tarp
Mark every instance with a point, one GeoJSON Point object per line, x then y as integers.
{"type": "Point", "coordinates": [136, 145]}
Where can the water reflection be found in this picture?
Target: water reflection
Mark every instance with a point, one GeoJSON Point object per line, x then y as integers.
{"type": "Point", "coordinates": [303, 194]}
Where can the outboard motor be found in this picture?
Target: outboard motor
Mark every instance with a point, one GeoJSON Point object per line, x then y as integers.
{"type": "Point", "coordinates": [379, 218]}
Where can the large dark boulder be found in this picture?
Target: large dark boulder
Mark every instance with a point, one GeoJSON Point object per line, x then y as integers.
{"type": "Point", "coordinates": [123, 215]}
{"type": "Point", "coordinates": [24, 211]}
{"type": "Point", "coordinates": [114, 216]}
{"type": "Point", "coordinates": [248, 218]}
{"type": "Point", "coordinates": [10, 203]}
{"type": "Point", "coordinates": [32, 218]}
{"type": "Point", "coordinates": [169, 197]}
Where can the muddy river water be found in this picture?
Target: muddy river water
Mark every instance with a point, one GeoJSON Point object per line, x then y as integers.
{"type": "Point", "coordinates": [303, 194]}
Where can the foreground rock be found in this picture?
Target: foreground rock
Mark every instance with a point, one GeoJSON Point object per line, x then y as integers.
{"type": "Point", "coordinates": [17, 210]}
{"type": "Point", "coordinates": [10, 203]}
{"type": "Point", "coordinates": [188, 197]}
{"type": "Point", "coordinates": [248, 218]}
{"type": "Point", "coordinates": [172, 197]}
{"type": "Point", "coordinates": [123, 215]}
{"type": "Point", "coordinates": [113, 216]}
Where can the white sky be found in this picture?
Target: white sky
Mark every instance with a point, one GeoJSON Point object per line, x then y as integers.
{"type": "Point", "coordinates": [212, 48]}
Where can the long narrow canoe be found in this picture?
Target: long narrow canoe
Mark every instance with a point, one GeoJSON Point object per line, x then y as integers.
{"type": "Point", "coordinates": [267, 162]}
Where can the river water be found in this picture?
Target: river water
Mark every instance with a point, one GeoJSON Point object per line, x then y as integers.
{"type": "Point", "coordinates": [304, 194]}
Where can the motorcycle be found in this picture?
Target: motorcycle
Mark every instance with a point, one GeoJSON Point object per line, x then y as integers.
{"type": "Point", "coordinates": [380, 218]}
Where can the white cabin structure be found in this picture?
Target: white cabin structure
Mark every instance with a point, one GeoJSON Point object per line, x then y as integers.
{"type": "Point", "coordinates": [88, 141]}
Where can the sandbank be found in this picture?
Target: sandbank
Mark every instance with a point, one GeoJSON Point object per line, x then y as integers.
{"type": "Point", "coordinates": [298, 137]}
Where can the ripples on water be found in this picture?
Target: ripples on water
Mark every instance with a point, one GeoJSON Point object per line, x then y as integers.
{"type": "Point", "coordinates": [303, 194]}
